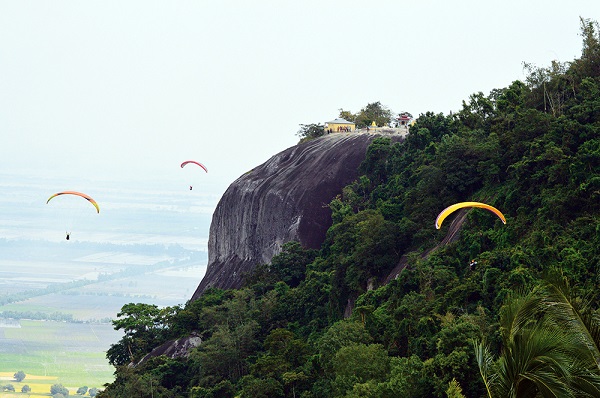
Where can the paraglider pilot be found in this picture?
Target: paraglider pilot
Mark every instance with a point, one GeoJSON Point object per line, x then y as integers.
{"type": "Point", "coordinates": [68, 236]}
{"type": "Point", "coordinates": [472, 265]}
{"type": "Point", "coordinates": [190, 187]}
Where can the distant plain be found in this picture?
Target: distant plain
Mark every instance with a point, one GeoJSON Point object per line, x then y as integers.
{"type": "Point", "coordinates": [148, 244]}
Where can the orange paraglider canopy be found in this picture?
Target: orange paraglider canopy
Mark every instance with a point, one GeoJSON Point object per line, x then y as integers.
{"type": "Point", "coordinates": [88, 198]}
{"type": "Point", "coordinates": [448, 210]}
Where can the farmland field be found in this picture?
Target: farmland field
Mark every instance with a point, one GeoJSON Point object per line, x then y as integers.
{"type": "Point", "coordinates": [57, 297]}
{"type": "Point", "coordinates": [101, 299]}
{"type": "Point", "coordinates": [40, 385]}
{"type": "Point", "coordinates": [72, 353]}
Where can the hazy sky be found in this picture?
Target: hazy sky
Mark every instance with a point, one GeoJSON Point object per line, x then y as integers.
{"type": "Point", "coordinates": [126, 90]}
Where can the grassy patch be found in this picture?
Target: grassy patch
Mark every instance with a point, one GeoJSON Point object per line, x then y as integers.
{"type": "Point", "coordinates": [73, 354]}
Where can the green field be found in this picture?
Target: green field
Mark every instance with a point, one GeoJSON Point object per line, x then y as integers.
{"type": "Point", "coordinates": [71, 353]}
{"type": "Point", "coordinates": [74, 354]}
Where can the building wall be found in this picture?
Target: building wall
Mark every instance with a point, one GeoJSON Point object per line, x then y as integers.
{"type": "Point", "coordinates": [334, 127]}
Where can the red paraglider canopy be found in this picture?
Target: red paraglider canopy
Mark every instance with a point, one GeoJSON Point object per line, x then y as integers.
{"type": "Point", "coordinates": [194, 162]}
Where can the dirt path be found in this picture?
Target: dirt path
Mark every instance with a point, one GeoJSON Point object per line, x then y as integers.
{"type": "Point", "coordinates": [452, 235]}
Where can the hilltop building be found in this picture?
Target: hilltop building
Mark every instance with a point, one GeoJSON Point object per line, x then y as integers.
{"type": "Point", "coordinates": [399, 125]}
{"type": "Point", "coordinates": [340, 126]}
{"type": "Point", "coordinates": [404, 120]}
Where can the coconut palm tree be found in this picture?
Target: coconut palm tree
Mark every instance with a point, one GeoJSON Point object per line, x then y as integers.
{"type": "Point", "coordinates": [574, 312]}
{"type": "Point", "coordinates": [577, 315]}
{"type": "Point", "coordinates": [539, 357]}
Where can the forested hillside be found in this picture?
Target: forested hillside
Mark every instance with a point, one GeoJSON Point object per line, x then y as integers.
{"type": "Point", "coordinates": [522, 322]}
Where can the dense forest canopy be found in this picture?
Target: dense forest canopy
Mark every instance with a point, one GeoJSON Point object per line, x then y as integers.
{"type": "Point", "coordinates": [522, 322]}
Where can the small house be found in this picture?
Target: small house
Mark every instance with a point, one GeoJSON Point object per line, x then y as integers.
{"type": "Point", "coordinates": [339, 126]}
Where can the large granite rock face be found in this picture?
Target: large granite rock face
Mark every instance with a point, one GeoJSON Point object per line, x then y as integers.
{"type": "Point", "coordinates": [284, 199]}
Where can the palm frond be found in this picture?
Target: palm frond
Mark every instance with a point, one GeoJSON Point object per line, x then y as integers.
{"type": "Point", "coordinates": [485, 361]}
{"type": "Point", "coordinates": [540, 356]}
{"type": "Point", "coordinates": [575, 314]}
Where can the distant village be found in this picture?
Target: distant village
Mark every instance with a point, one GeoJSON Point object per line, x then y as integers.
{"type": "Point", "coordinates": [400, 125]}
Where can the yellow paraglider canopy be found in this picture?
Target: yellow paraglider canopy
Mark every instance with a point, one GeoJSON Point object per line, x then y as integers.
{"type": "Point", "coordinates": [448, 210]}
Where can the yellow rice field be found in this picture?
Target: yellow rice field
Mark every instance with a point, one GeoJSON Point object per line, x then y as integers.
{"type": "Point", "coordinates": [40, 385]}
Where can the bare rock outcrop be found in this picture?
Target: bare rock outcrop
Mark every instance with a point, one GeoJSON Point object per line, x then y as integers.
{"type": "Point", "coordinates": [174, 348]}
{"type": "Point", "coordinates": [284, 199]}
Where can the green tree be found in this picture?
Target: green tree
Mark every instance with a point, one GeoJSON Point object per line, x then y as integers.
{"type": "Point", "coordinates": [224, 355]}
{"type": "Point", "coordinates": [373, 112]}
{"type": "Point", "coordinates": [19, 376]}
{"type": "Point", "coordinates": [347, 115]}
{"type": "Point", "coordinates": [132, 382]}
{"type": "Point", "coordinates": [283, 343]}
{"type": "Point", "coordinates": [285, 355]}
{"type": "Point", "coordinates": [251, 387]}
{"type": "Point", "coordinates": [144, 326]}
{"type": "Point", "coordinates": [25, 388]}
{"type": "Point", "coordinates": [290, 264]}
{"type": "Point", "coordinates": [454, 390]}
{"type": "Point", "coordinates": [576, 313]}
{"type": "Point", "coordinates": [340, 334]}
{"type": "Point", "coordinates": [293, 380]}
{"type": "Point", "coordinates": [92, 392]}
{"type": "Point", "coordinates": [223, 389]}
{"type": "Point", "coordinates": [476, 113]}
{"type": "Point", "coordinates": [366, 246]}
{"type": "Point", "coordinates": [82, 390]}
{"type": "Point", "coordinates": [359, 363]}
{"type": "Point", "coordinates": [310, 131]}
{"type": "Point", "coordinates": [589, 63]}
{"type": "Point", "coordinates": [407, 378]}
{"type": "Point", "coordinates": [59, 389]}
{"type": "Point", "coordinates": [376, 163]}
{"type": "Point", "coordinates": [539, 359]}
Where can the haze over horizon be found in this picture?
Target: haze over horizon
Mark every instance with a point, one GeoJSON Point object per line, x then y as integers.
{"type": "Point", "coordinates": [125, 91]}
